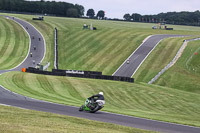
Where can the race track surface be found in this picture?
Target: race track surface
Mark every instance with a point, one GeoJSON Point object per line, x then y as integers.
{"type": "Point", "coordinates": [9, 98]}
{"type": "Point", "coordinates": [139, 55]}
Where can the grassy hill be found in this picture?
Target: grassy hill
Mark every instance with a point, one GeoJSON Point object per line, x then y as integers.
{"type": "Point", "coordinates": [104, 50]}
{"type": "Point", "coordinates": [14, 43]}
{"type": "Point", "coordinates": [142, 100]}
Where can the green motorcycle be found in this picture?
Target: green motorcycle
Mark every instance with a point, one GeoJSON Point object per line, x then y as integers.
{"type": "Point", "coordinates": [91, 106]}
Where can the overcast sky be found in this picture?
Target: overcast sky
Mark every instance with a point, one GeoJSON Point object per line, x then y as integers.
{"type": "Point", "coordinates": [117, 8]}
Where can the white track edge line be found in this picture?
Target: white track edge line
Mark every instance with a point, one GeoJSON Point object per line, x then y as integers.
{"type": "Point", "coordinates": [145, 58]}
{"type": "Point", "coordinates": [151, 52]}
{"type": "Point", "coordinates": [132, 53]}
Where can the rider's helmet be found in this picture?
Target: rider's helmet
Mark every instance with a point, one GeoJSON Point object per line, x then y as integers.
{"type": "Point", "coordinates": [101, 93]}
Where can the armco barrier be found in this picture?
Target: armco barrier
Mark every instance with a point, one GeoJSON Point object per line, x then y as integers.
{"type": "Point", "coordinates": [80, 74]}
{"type": "Point", "coordinates": [56, 49]}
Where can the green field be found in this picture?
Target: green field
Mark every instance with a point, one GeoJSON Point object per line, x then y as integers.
{"type": "Point", "coordinates": [14, 44]}
{"type": "Point", "coordinates": [102, 50]}
{"type": "Point", "coordinates": [142, 100]}
{"type": "Point", "coordinates": [14, 120]}
{"type": "Point", "coordinates": [174, 97]}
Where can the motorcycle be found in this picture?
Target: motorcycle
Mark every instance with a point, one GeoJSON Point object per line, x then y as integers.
{"type": "Point", "coordinates": [91, 106]}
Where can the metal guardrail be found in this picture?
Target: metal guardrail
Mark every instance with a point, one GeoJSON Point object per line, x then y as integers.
{"type": "Point", "coordinates": [173, 61]}
{"type": "Point", "coordinates": [56, 50]}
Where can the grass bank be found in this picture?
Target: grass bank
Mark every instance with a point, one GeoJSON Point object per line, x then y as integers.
{"type": "Point", "coordinates": [142, 100]}
{"type": "Point", "coordinates": [185, 74]}
{"type": "Point", "coordinates": [14, 44]}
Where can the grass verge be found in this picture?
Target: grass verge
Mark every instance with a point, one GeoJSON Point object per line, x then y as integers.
{"type": "Point", "coordinates": [14, 120]}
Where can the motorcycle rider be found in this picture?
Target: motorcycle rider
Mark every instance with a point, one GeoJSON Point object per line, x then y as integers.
{"type": "Point", "coordinates": [98, 98]}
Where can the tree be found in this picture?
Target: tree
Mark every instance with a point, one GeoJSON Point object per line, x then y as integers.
{"type": "Point", "coordinates": [72, 12]}
{"type": "Point", "coordinates": [136, 17]}
{"type": "Point", "coordinates": [90, 13]}
{"type": "Point", "coordinates": [127, 17]}
{"type": "Point", "coordinates": [80, 9]}
{"type": "Point", "coordinates": [43, 6]}
{"type": "Point", "coordinates": [101, 14]}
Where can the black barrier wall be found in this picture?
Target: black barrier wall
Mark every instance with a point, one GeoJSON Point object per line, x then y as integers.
{"type": "Point", "coordinates": [80, 74]}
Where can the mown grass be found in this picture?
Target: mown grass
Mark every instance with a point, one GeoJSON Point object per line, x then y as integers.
{"type": "Point", "coordinates": [105, 50]}
{"type": "Point", "coordinates": [142, 100]}
{"type": "Point", "coordinates": [185, 74]}
{"type": "Point", "coordinates": [102, 50]}
{"type": "Point", "coordinates": [14, 44]}
{"type": "Point", "coordinates": [14, 120]}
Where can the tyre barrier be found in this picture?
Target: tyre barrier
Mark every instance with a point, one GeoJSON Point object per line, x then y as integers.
{"type": "Point", "coordinates": [79, 74]}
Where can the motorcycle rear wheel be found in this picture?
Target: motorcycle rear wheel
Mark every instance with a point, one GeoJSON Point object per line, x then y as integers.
{"type": "Point", "coordinates": [95, 109]}
{"type": "Point", "coordinates": [81, 108]}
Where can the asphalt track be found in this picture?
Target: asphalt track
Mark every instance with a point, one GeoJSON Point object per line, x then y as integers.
{"type": "Point", "coordinates": [139, 55]}
{"type": "Point", "coordinates": [12, 99]}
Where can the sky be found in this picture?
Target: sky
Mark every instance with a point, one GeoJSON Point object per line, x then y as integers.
{"type": "Point", "coordinates": [117, 8]}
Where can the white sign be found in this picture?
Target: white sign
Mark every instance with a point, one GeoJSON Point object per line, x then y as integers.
{"type": "Point", "coordinates": [75, 71]}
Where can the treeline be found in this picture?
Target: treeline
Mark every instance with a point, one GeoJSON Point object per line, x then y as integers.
{"type": "Point", "coordinates": [91, 14]}
{"type": "Point", "coordinates": [43, 7]}
{"type": "Point", "coordinates": [178, 18]}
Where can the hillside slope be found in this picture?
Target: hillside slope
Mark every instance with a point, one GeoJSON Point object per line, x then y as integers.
{"type": "Point", "coordinates": [102, 50]}
{"type": "Point", "coordinates": [14, 43]}
{"type": "Point", "coordinates": [185, 74]}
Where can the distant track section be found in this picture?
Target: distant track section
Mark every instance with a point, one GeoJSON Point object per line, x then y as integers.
{"type": "Point", "coordinates": [139, 55]}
